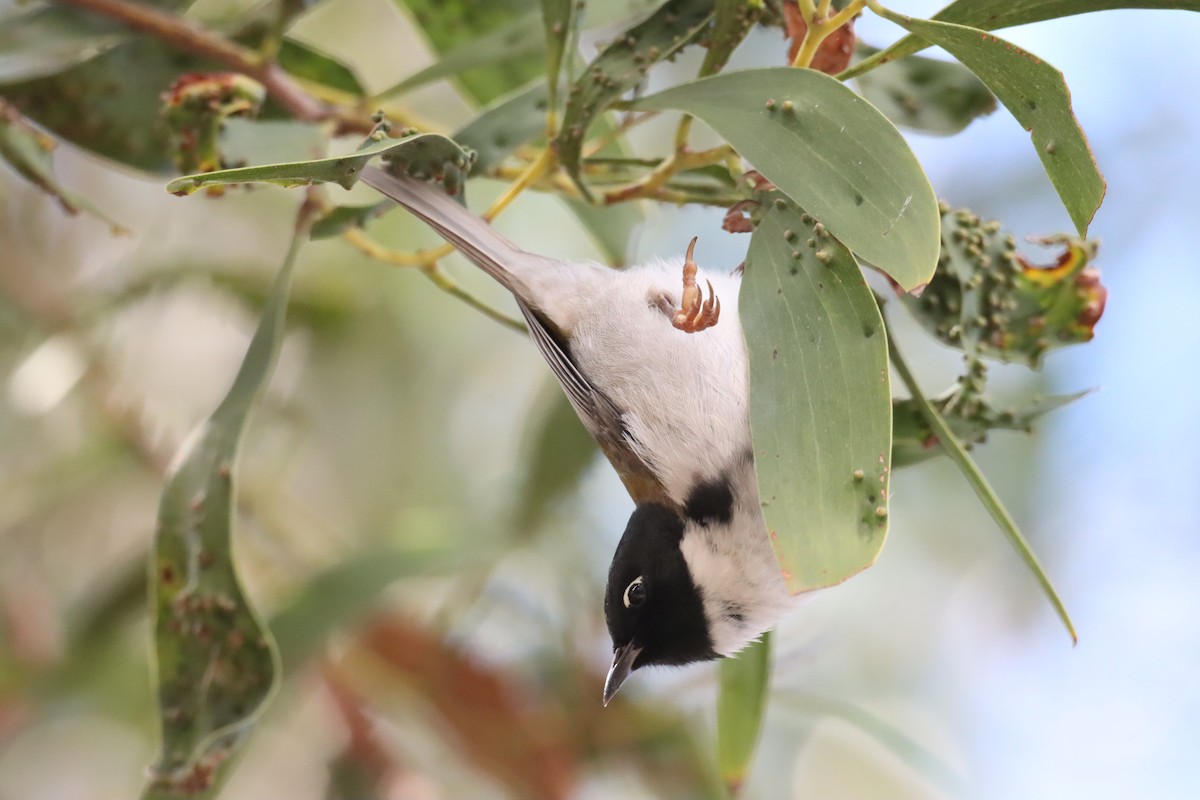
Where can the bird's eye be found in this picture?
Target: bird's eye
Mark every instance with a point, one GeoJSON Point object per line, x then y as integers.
{"type": "Point", "coordinates": [635, 593]}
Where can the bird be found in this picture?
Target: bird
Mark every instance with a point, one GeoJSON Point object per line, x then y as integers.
{"type": "Point", "coordinates": [657, 371]}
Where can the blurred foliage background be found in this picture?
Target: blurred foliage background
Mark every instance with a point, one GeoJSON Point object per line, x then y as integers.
{"type": "Point", "coordinates": [385, 493]}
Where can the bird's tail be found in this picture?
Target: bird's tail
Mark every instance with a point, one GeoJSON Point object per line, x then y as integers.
{"type": "Point", "coordinates": [469, 234]}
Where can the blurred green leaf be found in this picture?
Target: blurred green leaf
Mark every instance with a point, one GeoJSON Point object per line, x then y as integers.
{"type": "Point", "coordinates": [623, 65]}
{"type": "Point", "coordinates": [38, 40]}
{"type": "Point", "coordinates": [347, 591]}
{"type": "Point", "coordinates": [1037, 96]}
{"type": "Point", "coordinates": [216, 660]}
{"type": "Point", "coordinates": [989, 300]}
{"type": "Point", "coordinates": [926, 94]}
{"type": "Point", "coordinates": [457, 27]}
{"type": "Point", "coordinates": [820, 407]}
{"type": "Point", "coordinates": [506, 124]}
{"type": "Point", "coordinates": [30, 153]}
{"type": "Point", "coordinates": [425, 153]}
{"type": "Point", "coordinates": [110, 104]}
{"type": "Point", "coordinates": [558, 452]}
{"type": "Point", "coordinates": [343, 218]}
{"type": "Point", "coordinates": [306, 62]}
{"type": "Point", "coordinates": [830, 151]}
{"type": "Point", "coordinates": [914, 441]}
{"type": "Point", "coordinates": [511, 42]}
{"type": "Point", "coordinates": [745, 680]}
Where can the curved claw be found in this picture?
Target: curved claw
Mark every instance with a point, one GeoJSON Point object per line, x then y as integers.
{"type": "Point", "coordinates": [695, 313]}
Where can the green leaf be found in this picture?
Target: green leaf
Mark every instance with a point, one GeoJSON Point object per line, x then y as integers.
{"type": "Point", "coordinates": [30, 153]}
{"type": "Point", "coordinates": [508, 32]}
{"type": "Point", "coordinates": [983, 489]}
{"type": "Point", "coordinates": [831, 152]}
{"type": "Point", "coordinates": [505, 125]}
{"type": "Point", "coordinates": [425, 153]}
{"type": "Point", "coordinates": [343, 218]}
{"type": "Point", "coordinates": [623, 65]}
{"type": "Point", "coordinates": [745, 679]}
{"type": "Point", "coordinates": [308, 63]}
{"type": "Point", "coordinates": [990, 15]}
{"type": "Point", "coordinates": [820, 407]}
{"type": "Point", "coordinates": [216, 660]}
{"type": "Point", "coordinates": [37, 40]}
{"type": "Point", "coordinates": [732, 21]}
{"type": "Point", "coordinates": [1037, 96]}
{"type": "Point", "coordinates": [927, 94]}
{"type": "Point", "coordinates": [560, 19]}
{"type": "Point", "coordinates": [914, 441]}
{"type": "Point", "coordinates": [559, 452]}
{"type": "Point", "coordinates": [347, 591]}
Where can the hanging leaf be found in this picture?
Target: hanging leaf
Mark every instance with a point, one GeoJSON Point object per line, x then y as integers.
{"type": "Point", "coordinates": [745, 680]}
{"type": "Point", "coordinates": [732, 22]}
{"type": "Point", "coordinates": [31, 153]}
{"type": "Point", "coordinates": [926, 94]}
{"type": "Point", "coordinates": [831, 152]}
{"type": "Point", "coordinates": [622, 66]}
{"type": "Point", "coordinates": [216, 660]}
{"type": "Point", "coordinates": [820, 407]}
{"type": "Point", "coordinates": [305, 61]}
{"type": "Point", "coordinates": [1037, 95]}
{"type": "Point", "coordinates": [426, 154]}
{"type": "Point", "coordinates": [990, 15]}
{"type": "Point", "coordinates": [560, 19]}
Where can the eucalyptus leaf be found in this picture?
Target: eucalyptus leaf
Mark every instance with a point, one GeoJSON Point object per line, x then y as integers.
{"type": "Point", "coordinates": [623, 65]}
{"type": "Point", "coordinates": [820, 403]}
{"type": "Point", "coordinates": [459, 29]}
{"type": "Point", "coordinates": [732, 21]}
{"type": "Point", "coordinates": [38, 40]}
{"type": "Point", "coordinates": [1037, 96]}
{"type": "Point", "coordinates": [560, 19]}
{"type": "Point", "coordinates": [110, 105]}
{"type": "Point", "coordinates": [990, 15]}
{"type": "Point", "coordinates": [425, 153]}
{"type": "Point", "coordinates": [506, 124]}
{"type": "Point", "coordinates": [305, 61]}
{"type": "Point", "coordinates": [216, 660]}
{"type": "Point", "coordinates": [745, 680]}
{"type": "Point", "coordinates": [831, 152]}
{"type": "Point", "coordinates": [926, 94]}
{"type": "Point", "coordinates": [31, 153]}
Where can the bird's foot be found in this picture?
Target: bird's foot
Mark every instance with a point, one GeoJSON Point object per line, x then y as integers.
{"type": "Point", "coordinates": [695, 313]}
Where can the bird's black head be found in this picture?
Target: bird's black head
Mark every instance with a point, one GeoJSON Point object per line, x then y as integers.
{"type": "Point", "coordinates": [654, 610]}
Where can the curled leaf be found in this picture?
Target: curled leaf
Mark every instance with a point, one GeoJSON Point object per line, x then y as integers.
{"type": "Point", "coordinates": [988, 299]}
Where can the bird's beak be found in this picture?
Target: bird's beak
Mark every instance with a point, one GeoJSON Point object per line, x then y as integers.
{"type": "Point", "coordinates": [623, 658]}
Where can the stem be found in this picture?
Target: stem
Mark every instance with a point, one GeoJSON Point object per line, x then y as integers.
{"type": "Point", "coordinates": [819, 25]}
{"type": "Point", "coordinates": [198, 40]}
{"type": "Point", "coordinates": [651, 185]}
{"type": "Point", "coordinates": [983, 490]}
{"type": "Point", "coordinates": [426, 261]}
{"type": "Point", "coordinates": [545, 162]}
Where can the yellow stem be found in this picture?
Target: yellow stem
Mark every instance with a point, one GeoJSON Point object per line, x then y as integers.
{"type": "Point", "coordinates": [543, 164]}
{"type": "Point", "coordinates": [651, 184]}
{"type": "Point", "coordinates": [820, 26]}
{"type": "Point", "coordinates": [823, 8]}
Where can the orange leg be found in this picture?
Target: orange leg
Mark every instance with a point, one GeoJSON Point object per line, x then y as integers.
{"type": "Point", "coordinates": [695, 313]}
